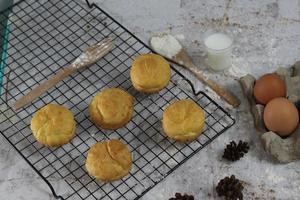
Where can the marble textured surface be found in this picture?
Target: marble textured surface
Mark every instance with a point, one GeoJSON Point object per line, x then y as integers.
{"type": "Point", "coordinates": [266, 35]}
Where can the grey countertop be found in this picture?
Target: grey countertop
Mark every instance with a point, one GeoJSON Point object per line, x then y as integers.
{"type": "Point", "coordinates": [266, 35]}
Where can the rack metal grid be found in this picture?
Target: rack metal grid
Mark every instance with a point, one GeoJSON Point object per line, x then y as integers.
{"type": "Point", "coordinates": [46, 35]}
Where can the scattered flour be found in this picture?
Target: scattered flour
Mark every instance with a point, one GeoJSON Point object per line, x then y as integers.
{"type": "Point", "coordinates": [237, 71]}
{"type": "Point", "coordinates": [93, 53]}
{"type": "Point", "coordinates": [239, 68]}
{"type": "Point", "coordinates": [211, 93]}
{"type": "Point", "coordinates": [227, 106]}
{"type": "Point", "coordinates": [204, 74]}
{"type": "Point", "coordinates": [166, 45]}
{"type": "Point", "coordinates": [273, 176]}
{"type": "Point", "coordinates": [180, 37]}
{"type": "Point", "coordinates": [84, 57]}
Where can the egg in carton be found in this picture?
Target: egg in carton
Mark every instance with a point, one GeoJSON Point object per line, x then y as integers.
{"type": "Point", "coordinates": [282, 149]}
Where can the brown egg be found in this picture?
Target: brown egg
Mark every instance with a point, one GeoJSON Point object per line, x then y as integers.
{"type": "Point", "coordinates": [268, 87]}
{"type": "Point", "coordinates": [281, 116]}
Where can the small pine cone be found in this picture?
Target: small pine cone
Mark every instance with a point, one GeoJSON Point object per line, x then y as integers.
{"type": "Point", "coordinates": [179, 196]}
{"type": "Point", "coordinates": [235, 151]}
{"type": "Point", "coordinates": [231, 188]}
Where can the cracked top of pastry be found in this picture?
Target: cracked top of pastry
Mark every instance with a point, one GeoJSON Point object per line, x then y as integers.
{"type": "Point", "coordinates": [183, 120]}
{"type": "Point", "coordinates": [108, 160]}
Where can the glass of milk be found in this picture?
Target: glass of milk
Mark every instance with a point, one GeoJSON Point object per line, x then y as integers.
{"type": "Point", "coordinates": [219, 48]}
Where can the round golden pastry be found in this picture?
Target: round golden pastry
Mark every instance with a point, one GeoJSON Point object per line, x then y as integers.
{"type": "Point", "coordinates": [109, 160]}
{"type": "Point", "coordinates": [150, 73]}
{"type": "Point", "coordinates": [53, 125]}
{"type": "Point", "coordinates": [111, 108]}
{"type": "Point", "coordinates": [183, 120]}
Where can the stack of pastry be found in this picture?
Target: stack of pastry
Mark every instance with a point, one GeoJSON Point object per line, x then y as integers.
{"type": "Point", "coordinates": [112, 108]}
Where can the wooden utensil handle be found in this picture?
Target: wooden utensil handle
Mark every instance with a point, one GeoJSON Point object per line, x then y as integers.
{"type": "Point", "coordinates": [39, 90]}
{"type": "Point", "coordinates": [222, 92]}
{"type": "Point", "coordinates": [53, 80]}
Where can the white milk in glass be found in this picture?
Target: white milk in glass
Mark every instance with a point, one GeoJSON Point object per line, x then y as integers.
{"type": "Point", "coordinates": [219, 47]}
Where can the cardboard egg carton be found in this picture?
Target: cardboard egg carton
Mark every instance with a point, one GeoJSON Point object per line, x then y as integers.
{"type": "Point", "coordinates": [282, 149]}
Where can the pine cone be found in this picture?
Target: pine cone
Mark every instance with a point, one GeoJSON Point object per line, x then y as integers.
{"type": "Point", "coordinates": [178, 196]}
{"type": "Point", "coordinates": [235, 151]}
{"type": "Point", "coordinates": [231, 188]}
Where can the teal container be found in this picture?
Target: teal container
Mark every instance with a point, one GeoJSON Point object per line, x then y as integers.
{"type": "Point", "coordinates": [4, 31]}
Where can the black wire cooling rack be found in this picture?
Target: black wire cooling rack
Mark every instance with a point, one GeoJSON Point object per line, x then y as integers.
{"type": "Point", "coordinates": [46, 35]}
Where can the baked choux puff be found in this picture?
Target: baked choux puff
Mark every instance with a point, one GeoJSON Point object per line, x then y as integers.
{"type": "Point", "coordinates": [53, 125]}
{"type": "Point", "coordinates": [109, 160]}
{"type": "Point", "coordinates": [183, 120]}
{"type": "Point", "coordinates": [111, 108]}
{"type": "Point", "coordinates": [150, 73]}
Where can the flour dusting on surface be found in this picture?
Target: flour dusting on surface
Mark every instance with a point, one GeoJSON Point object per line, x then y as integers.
{"type": "Point", "coordinates": [237, 71]}
{"type": "Point", "coordinates": [204, 74]}
{"type": "Point", "coordinates": [212, 94]}
{"type": "Point", "coordinates": [166, 45]}
{"type": "Point", "coordinates": [83, 58]}
{"type": "Point", "coordinates": [239, 67]}
{"type": "Point", "coordinates": [273, 176]}
{"type": "Point", "coordinates": [180, 37]}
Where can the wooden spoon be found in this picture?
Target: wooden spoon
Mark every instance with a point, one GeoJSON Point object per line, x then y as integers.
{"type": "Point", "coordinates": [182, 58]}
